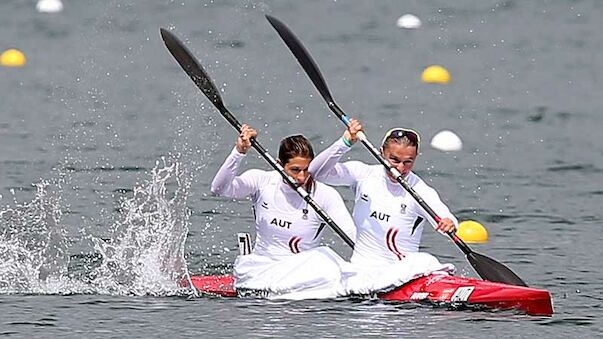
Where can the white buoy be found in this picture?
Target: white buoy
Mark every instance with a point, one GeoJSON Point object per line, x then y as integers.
{"type": "Point", "coordinates": [446, 141]}
{"type": "Point", "coordinates": [408, 21]}
{"type": "Point", "coordinates": [49, 6]}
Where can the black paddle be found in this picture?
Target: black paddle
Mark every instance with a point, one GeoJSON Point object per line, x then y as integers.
{"type": "Point", "coordinates": [487, 268]}
{"type": "Point", "coordinates": [196, 72]}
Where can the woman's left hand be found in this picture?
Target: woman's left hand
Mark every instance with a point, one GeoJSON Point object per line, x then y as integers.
{"type": "Point", "coordinates": [446, 225]}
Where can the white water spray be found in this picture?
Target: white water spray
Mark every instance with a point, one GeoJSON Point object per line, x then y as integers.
{"type": "Point", "coordinates": [144, 254]}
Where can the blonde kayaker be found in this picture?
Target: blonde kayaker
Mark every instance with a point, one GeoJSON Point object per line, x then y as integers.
{"type": "Point", "coordinates": [389, 220]}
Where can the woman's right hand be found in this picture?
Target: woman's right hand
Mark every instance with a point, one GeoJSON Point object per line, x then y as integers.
{"type": "Point", "coordinates": [244, 139]}
{"type": "Point", "coordinates": [351, 134]}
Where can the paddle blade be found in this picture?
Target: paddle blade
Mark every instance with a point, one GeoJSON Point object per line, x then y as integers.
{"type": "Point", "coordinates": [194, 70]}
{"type": "Point", "coordinates": [302, 56]}
{"type": "Point", "coordinates": [492, 270]}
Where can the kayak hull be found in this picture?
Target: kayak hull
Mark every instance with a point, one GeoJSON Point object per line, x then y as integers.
{"type": "Point", "coordinates": [440, 289]}
{"type": "Point", "coordinates": [454, 290]}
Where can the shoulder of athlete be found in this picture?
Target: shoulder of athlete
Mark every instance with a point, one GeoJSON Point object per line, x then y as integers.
{"type": "Point", "coordinates": [260, 176]}
{"type": "Point", "coordinates": [323, 190]}
{"type": "Point", "coordinates": [414, 180]}
{"type": "Point", "coordinates": [360, 169]}
{"type": "Point", "coordinates": [421, 187]}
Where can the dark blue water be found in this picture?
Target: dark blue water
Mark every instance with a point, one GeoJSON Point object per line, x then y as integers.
{"type": "Point", "coordinates": [107, 151]}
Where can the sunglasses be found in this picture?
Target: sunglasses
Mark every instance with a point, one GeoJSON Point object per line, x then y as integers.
{"type": "Point", "coordinates": [399, 133]}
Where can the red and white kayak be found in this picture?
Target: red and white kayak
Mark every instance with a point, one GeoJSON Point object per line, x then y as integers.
{"type": "Point", "coordinates": [444, 290]}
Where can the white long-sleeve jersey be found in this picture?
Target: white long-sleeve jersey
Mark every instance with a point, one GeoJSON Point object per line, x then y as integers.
{"type": "Point", "coordinates": [389, 221]}
{"type": "Point", "coordinates": [284, 222]}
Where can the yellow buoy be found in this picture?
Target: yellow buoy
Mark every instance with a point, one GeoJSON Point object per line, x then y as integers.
{"type": "Point", "coordinates": [12, 58]}
{"type": "Point", "coordinates": [435, 74]}
{"type": "Point", "coordinates": [472, 232]}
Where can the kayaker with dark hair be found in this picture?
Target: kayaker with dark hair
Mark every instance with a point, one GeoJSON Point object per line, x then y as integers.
{"type": "Point", "coordinates": [286, 258]}
{"type": "Point", "coordinates": [389, 220]}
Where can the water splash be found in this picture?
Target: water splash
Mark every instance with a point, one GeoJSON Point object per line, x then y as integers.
{"type": "Point", "coordinates": [144, 254]}
{"type": "Point", "coordinates": [33, 244]}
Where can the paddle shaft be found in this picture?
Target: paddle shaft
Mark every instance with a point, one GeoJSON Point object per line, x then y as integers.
{"type": "Point", "coordinates": [486, 267]}
{"type": "Point", "coordinates": [196, 72]}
